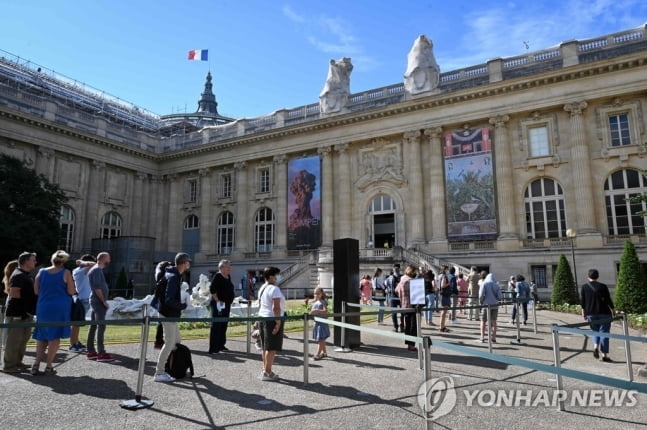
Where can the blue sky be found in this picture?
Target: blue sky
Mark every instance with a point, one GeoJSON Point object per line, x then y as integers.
{"type": "Point", "coordinates": [269, 55]}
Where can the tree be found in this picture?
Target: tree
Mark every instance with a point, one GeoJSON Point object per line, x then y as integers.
{"type": "Point", "coordinates": [564, 288]}
{"type": "Point", "coordinates": [122, 283]}
{"type": "Point", "coordinates": [631, 288]}
{"type": "Point", "coordinates": [30, 209]}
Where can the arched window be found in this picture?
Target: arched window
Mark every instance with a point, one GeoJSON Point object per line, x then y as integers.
{"type": "Point", "coordinates": [622, 215]}
{"type": "Point", "coordinates": [382, 203]}
{"type": "Point", "coordinates": [111, 225]}
{"type": "Point", "coordinates": [545, 216]}
{"type": "Point", "coordinates": [67, 228]}
{"type": "Point", "coordinates": [225, 233]}
{"type": "Point", "coordinates": [264, 230]}
{"type": "Point", "coordinates": [191, 222]}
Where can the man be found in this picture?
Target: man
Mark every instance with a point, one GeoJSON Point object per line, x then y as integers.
{"type": "Point", "coordinates": [453, 285]}
{"type": "Point", "coordinates": [598, 309]}
{"type": "Point", "coordinates": [21, 307]}
{"type": "Point", "coordinates": [394, 301]}
{"type": "Point", "coordinates": [222, 296]}
{"type": "Point", "coordinates": [83, 290]}
{"type": "Point", "coordinates": [473, 292]}
{"type": "Point", "coordinates": [171, 307]}
{"type": "Point", "coordinates": [489, 294]}
{"type": "Point", "coordinates": [99, 305]}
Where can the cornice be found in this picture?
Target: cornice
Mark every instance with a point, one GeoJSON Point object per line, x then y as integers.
{"type": "Point", "coordinates": [73, 133]}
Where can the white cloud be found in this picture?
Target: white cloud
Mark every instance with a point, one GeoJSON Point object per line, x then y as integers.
{"type": "Point", "coordinates": [292, 15]}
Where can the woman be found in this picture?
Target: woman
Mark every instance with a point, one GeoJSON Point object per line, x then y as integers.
{"type": "Point", "coordinates": [271, 304]}
{"type": "Point", "coordinates": [379, 292]}
{"type": "Point", "coordinates": [402, 290]}
{"type": "Point", "coordinates": [430, 296]}
{"type": "Point", "coordinates": [366, 289]}
{"type": "Point", "coordinates": [8, 270]}
{"type": "Point", "coordinates": [54, 287]}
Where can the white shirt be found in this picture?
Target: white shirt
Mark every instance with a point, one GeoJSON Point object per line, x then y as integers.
{"type": "Point", "coordinates": [267, 294]}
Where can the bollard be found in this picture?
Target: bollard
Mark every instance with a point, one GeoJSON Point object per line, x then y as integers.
{"type": "Point", "coordinates": [558, 364]}
{"type": "Point", "coordinates": [418, 333]}
{"type": "Point", "coordinates": [343, 347]}
{"type": "Point", "coordinates": [534, 315]}
{"type": "Point", "coordinates": [426, 343]}
{"type": "Point", "coordinates": [306, 354]}
{"type": "Point", "coordinates": [249, 326]}
{"type": "Point", "coordinates": [138, 403]}
{"type": "Point", "coordinates": [489, 327]}
{"type": "Point", "coordinates": [625, 330]}
{"type": "Point", "coordinates": [518, 320]}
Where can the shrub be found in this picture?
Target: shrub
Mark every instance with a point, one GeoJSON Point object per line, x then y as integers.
{"type": "Point", "coordinates": [631, 288]}
{"type": "Point", "coordinates": [564, 288]}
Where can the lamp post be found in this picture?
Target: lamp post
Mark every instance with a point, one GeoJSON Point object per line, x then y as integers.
{"type": "Point", "coordinates": [572, 234]}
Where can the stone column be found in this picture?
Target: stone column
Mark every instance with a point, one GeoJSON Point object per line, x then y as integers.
{"type": "Point", "coordinates": [207, 220]}
{"type": "Point", "coordinates": [415, 210]}
{"type": "Point", "coordinates": [175, 214]}
{"type": "Point", "coordinates": [242, 221]}
{"type": "Point", "coordinates": [94, 198]}
{"type": "Point", "coordinates": [504, 187]}
{"type": "Point", "coordinates": [437, 190]}
{"type": "Point", "coordinates": [582, 186]}
{"type": "Point", "coordinates": [281, 217]}
{"type": "Point", "coordinates": [137, 217]}
{"type": "Point", "coordinates": [343, 218]}
{"type": "Point", "coordinates": [45, 162]}
{"type": "Point", "coordinates": [327, 197]}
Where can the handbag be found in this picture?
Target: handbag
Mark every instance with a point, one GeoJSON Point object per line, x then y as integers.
{"type": "Point", "coordinates": [78, 310]}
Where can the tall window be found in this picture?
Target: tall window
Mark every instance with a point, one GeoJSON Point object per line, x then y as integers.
{"type": "Point", "coordinates": [225, 233]}
{"type": "Point", "coordinates": [622, 217]}
{"type": "Point", "coordinates": [264, 230]}
{"type": "Point", "coordinates": [192, 190]}
{"type": "Point", "coordinates": [538, 141]}
{"type": "Point", "coordinates": [67, 228]}
{"type": "Point", "coordinates": [382, 203]}
{"type": "Point", "coordinates": [225, 186]}
{"type": "Point", "coordinates": [545, 216]}
{"type": "Point", "coordinates": [619, 128]}
{"type": "Point", "coordinates": [264, 180]}
{"type": "Point", "coordinates": [191, 222]}
{"type": "Point", "coordinates": [110, 225]}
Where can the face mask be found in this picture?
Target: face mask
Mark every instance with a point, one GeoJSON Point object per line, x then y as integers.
{"type": "Point", "coordinates": [279, 278]}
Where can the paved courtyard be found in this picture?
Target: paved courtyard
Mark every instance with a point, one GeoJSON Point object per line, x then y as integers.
{"type": "Point", "coordinates": [374, 386]}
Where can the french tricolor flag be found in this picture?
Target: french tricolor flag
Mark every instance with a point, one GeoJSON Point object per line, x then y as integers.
{"type": "Point", "coordinates": [199, 55]}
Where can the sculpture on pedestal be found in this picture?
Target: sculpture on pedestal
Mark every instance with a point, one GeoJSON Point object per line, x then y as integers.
{"type": "Point", "coordinates": [423, 73]}
{"type": "Point", "coordinates": [334, 96]}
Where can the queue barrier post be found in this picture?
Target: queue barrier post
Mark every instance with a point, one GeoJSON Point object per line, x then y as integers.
{"type": "Point", "coordinates": [489, 327]}
{"type": "Point", "coordinates": [418, 317]}
{"type": "Point", "coordinates": [558, 365]}
{"type": "Point", "coordinates": [138, 402]}
{"type": "Point", "coordinates": [426, 352]}
{"type": "Point", "coordinates": [534, 315]}
{"type": "Point", "coordinates": [625, 331]}
{"type": "Point", "coordinates": [343, 347]}
{"type": "Point", "coordinates": [249, 326]}
{"type": "Point", "coordinates": [306, 354]}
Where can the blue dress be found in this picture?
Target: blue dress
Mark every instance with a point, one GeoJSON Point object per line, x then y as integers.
{"type": "Point", "coordinates": [320, 331]}
{"type": "Point", "coordinates": [54, 304]}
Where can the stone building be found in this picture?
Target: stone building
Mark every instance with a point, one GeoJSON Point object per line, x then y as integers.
{"type": "Point", "coordinates": [489, 165]}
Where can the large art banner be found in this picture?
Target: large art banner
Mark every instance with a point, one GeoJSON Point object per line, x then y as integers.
{"type": "Point", "coordinates": [469, 184]}
{"type": "Point", "coordinates": [304, 203]}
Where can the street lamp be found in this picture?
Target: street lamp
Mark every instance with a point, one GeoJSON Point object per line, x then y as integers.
{"type": "Point", "coordinates": [572, 234]}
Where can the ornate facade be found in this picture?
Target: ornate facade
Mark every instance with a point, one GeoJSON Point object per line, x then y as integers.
{"type": "Point", "coordinates": [561, 131]}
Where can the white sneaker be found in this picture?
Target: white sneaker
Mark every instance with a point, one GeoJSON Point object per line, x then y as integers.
{"type": "Point", "coordinates": [164, 377]}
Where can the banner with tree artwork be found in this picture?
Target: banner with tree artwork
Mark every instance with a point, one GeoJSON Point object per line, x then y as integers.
{"type": "Point", "coordinates": [304, 203]}
{"type": "Point", "coordinates": [469, 185]}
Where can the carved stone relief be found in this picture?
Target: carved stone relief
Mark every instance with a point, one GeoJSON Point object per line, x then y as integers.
{"type": "Point", "coordinates": [378, 162]}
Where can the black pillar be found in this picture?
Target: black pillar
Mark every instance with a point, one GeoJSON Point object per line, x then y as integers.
{"type": "Point", "coordinates": [346, 286]}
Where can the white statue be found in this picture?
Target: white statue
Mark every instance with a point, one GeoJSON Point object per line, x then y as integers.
{"type": "Point", "coordinates": [423, 73]}
{"type": "Point", "coordinates": [334, 96]}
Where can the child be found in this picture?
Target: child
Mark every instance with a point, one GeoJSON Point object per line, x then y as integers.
{"type": "Point", "coordinates": [321, 331]}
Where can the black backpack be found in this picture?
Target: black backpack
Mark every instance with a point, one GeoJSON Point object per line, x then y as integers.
{"type": "Point", "coordinates": [179, 361]}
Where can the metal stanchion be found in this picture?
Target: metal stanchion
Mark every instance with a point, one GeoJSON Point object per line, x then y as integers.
{"type": "Point", "coordinates": [249, 326]}
{"type": "Point", "coordinates": [344, 347]}
{"type": "Point", "coordinates": [518, 321]}
{"type": "Point", "coordinates": [426, 352]}
{"type": "Point", "coordinates": [418, 317]}
{"type": "Point", "coordinates": [138, 402]}
{"type": "Point", "coordinates": [489, 327]}
{"type": "Point", "coordinates": [534, 315]}
{"type": "Point", "coordinates": [3, 331]}
{"type": "Point", "coordinates": [625, 330]}
{"type": "Point", "coordinates": [558, 364]}
{"type": "Point", "coordinates": [306, 353]}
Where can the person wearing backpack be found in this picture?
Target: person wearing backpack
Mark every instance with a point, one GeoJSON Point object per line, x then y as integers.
{"type": "Point", "coordinates": [159, 292]}
{"type": "Point", "coordinates": [171, 306]}
{"type": "Point", "coordinates": [523, 296]}
{"type": "Point", "coordinates": [598, 310]}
